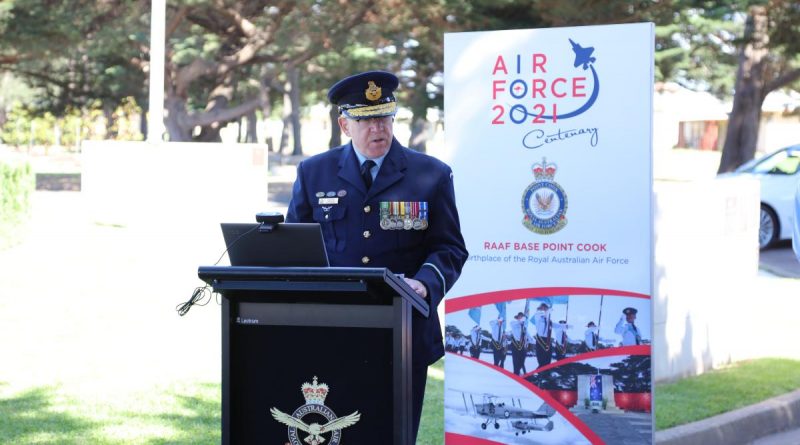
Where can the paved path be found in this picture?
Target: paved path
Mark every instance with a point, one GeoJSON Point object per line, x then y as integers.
{"type": "Point", "coordinates": [620, 428]}
{"type": "Point", "coordinates": [780, 260]}
{"type": "Point", "coordinates": [785, 438]}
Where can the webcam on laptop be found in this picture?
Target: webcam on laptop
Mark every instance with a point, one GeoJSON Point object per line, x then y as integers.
{"type": "Point", "coordinates": [269, 221]}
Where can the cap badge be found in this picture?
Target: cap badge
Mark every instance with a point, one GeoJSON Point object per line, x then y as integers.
{"type": "Point", "coordinates": [373, 91]}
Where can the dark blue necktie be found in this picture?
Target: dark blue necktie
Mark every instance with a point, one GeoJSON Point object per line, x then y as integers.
{"type": "Point", "coordinates": [366, 172]}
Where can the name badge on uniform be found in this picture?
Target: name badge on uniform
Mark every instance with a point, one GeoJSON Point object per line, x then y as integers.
{"type": "Point", "coordinates": [404, 215]}
{"type": "Point", "coordinates": [323, 201]}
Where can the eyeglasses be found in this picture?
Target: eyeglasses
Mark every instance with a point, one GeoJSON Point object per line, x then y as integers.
{"type": "Point", "coordinates": [378, 123]}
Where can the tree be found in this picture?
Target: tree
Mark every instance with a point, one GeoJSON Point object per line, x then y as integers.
{"type": "Point", "coordinates": [767, 61]}
{"type": "Point", "coordinates": [564, 377]}
{"type": "Point", "coordinates": [213, 44]}
{"type": "Point", "coordinates": [416, 38]}
{"type": "Point", "coordinates": [631, 374]}
{"type": "Point", "coordinates": [73, 53]}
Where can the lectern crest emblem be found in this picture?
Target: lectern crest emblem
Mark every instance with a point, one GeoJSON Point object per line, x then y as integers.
{"type": "Point", "coordinates": [315, 408]}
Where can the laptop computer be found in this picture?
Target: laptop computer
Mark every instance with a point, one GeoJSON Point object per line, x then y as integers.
{"type": "Point", "coordinates": [287, 245]}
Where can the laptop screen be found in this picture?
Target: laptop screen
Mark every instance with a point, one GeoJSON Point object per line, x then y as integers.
{"type": "Point", "coordinates": [288, 245]}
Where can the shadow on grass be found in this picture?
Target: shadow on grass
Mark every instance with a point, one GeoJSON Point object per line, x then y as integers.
{"type": "Point", "coordinates": [196, 419]}
{"type": "Point", "coordinates": [30, 417]}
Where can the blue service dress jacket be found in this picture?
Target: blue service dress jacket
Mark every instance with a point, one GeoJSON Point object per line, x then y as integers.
{"type": "Point", "coordinates": [329, 190]}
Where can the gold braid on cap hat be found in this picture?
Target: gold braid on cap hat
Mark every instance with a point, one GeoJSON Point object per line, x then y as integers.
{"type": "Point", "coordinates": [370, 110]}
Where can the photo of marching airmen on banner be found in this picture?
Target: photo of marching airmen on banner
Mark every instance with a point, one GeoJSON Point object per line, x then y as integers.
{"type": "Point", "coordinates": [521, 336]}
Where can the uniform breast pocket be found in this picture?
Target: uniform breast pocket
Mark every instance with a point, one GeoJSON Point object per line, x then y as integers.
{"type": "Point", "coordinates": [333, 223]}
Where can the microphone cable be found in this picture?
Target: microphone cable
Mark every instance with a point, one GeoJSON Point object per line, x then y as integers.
{"type": "Point", "coordinates": [202, 295]}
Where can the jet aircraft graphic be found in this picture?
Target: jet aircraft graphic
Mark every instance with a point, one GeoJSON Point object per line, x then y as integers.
{"type": "Point", "coordinates": [583, 56]}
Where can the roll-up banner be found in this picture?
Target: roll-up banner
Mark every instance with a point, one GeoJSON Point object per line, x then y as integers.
{"type": "Point", "coordinates": [549, 328]}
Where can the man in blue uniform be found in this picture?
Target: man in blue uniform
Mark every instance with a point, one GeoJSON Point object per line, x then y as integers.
{"type": "Point", "coordinates": [383, 205]}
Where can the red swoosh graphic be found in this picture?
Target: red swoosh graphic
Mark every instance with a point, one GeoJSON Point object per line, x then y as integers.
{"type": "Point", "coordinates": [470, 301]}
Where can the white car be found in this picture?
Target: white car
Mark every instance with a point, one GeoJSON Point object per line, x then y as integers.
{"type": "Point", "coordinates": [779, 174]}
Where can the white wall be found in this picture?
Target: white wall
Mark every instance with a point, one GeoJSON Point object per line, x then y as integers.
{"type": "Point", "coordinates": [707, 308]}
{"type": "Point", "coordinates": [154, 186]}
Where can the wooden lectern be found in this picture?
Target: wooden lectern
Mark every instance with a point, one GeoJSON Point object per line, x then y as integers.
{"type": "Point", "coordinates": [315, 355]}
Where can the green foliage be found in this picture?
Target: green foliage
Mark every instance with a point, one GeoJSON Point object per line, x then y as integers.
{"type": "Point", "coordinates": [76, 52]}
{"type": "Point", "coordinates": [16, 186]}
{"type": "Point", "coordinates": [27, 127]}
{"type": "Point", "coordinates": [696, 398]}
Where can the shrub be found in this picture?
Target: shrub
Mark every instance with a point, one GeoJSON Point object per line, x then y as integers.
{"type": "Point", "coordinates": [16, 187]}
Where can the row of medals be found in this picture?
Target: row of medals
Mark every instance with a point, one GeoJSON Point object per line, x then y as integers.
{"type": "Point", "coordinates": [409, 216]}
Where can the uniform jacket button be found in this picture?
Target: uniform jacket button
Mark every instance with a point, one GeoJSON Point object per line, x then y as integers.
{"type": "Point", "coordinates": [367, 209]}
{"type": "Point", "coordinates": [365, 260]}
{"type": "Point", "coordinates": [367, 234]}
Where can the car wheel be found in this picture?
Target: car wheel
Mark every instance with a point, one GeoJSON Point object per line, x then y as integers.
{"type": "Point", "coordinates": [768, 228]}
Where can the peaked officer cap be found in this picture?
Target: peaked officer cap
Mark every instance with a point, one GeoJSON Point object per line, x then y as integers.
{"type": "Point", "coordinates": [365, 95]}
{"type": "Point", "coordinates": [629, 311]}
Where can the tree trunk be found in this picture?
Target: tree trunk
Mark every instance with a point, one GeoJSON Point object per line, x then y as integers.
{"type": "Point", "coordinates": [420, 127]}
{"type": "Point", "coordinates": [143, 122]}
{"type": "Point", "coordinates": [336, 132]}
{"type": "Point", "coordinates": [176, 120]}
{"type": "Point", "coordinates": [294, 95]}
{"type": "Point", "coordinates": [420, 133]}
{"type": "Point", "coordinates": [111, 128]}
{"type": "Point", "coordinates": [219, 100]}
{"type": "Point", "coordinates": [252, 134]}
{"type": "Point", "coordinates": [287, 122]}
{"type": "Point", "coordinates": [745, 117]}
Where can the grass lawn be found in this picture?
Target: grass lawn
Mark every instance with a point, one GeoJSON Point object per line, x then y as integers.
{"type": "Point", "coordinates": [186, 413]}
{"type": "Point", "coordinates": [431, 428]}
{"type": "Point", "coordinates": [724, 390]}
{"type": "Point", "coordinates": [179, 414]}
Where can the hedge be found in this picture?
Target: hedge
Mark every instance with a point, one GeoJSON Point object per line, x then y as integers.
{"type": "Point", "coordinates": [17, 183]}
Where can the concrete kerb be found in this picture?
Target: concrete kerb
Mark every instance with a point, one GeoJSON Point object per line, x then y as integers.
{"type": "Point", "coordinates": [741, 426]}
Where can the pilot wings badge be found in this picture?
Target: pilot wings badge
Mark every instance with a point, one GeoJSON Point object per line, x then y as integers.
{"type": "Point", "coordinates": [544, 202]}
{"type": "Point", "coordinates": [315, 410]}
